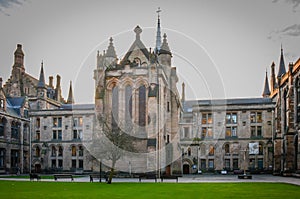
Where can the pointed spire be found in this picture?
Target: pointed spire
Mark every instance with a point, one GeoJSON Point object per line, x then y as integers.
{"type": "Point", "coordinates": [110, 52]}
{"type": "Point", "coordinates": [70, 99]}
{"type": "Point", "coordinates": [158, 34]}
{"type": "Point", "coordinates": [281, 70]}
{"type": "Point", "coordinates": [266, 92]}
{"type": "Point", "coordinates": [165, 49]}
{"type": "Point", "coordinates": [41, 83]}
{"type": "Point", "coordinates": [273, 78]}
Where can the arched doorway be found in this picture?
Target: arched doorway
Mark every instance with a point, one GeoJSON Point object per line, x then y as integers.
{"type": "Point", "coordinates": [186, 169]}
{"type": "Point", "coordinates": [37, 168]}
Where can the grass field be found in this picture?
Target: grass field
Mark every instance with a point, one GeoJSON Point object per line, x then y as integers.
{"type": "Point", "coordinates": [18, 189]}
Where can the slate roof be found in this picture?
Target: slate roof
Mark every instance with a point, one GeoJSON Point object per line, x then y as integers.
{"type": "Point", "coordinates": [77, 106]}
{"type": "Point", "coordinates": [187, 105]}
{"type": "Point", "coordinates": [14, 105]}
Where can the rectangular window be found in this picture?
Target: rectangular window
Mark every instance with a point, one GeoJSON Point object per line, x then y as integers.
{"type": "Point", "coordinates": [80, 164]}
{"type": "Point", "coordinates": [73, 163]}
{"type": "Point", "coordinates": [203, 163]}
{"type": "Point", "coordinates": [227, 163]}
{"type": "Point", "coordinates": [54, 135]}
{"type": "Point", "coordinates": [60, 163]}
{"type": "Point", "coordinates": [256, 117]}
{"type": "Point", "coordinates": [235, 163]}
{"type": "Point", "coordinates": [186, 132]}
{"type": "Point", "coordinates": [2, 156]}
{"type": "Point", "coordinates": [77, 122]}
{"type": "Point", "coordinates": [259, 131]}
{"type": "Point", "coordinates": [231, 118]}
{"type": "Point", "coordinates": [53, 163]}
{"type": "Point", "coordinates": [211, 164]}
{"type": "Point", "coordinates": [38, 123]}
{"type": "Point", "coordinates": [59, 135]}
{"type": "Point", "coordinates": [204, 132]}
{"type": "Point", "coordinates": [77, 134]}
{"type": "Point", "coordinates": [231, 132]}
{"type": "Point", "coordinates": [207, 118]}
{"type": "Point", "coordinates": [256, 131]}
{"type": "Point", "coordinates": [57, 122]}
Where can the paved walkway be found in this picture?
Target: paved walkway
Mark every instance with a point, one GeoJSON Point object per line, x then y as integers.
{"type": "Point", "coordinates": [189, 179]}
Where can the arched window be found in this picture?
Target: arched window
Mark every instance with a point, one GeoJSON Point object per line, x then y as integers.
{"type": "Point", "coordinates": [128, 106]}
{"type": "Point", "coordinates": [53, 151]}
{"type": "Point", "coordinates": [15, 130]}
{"type": "Point", "coordinates": [60, 151]}
{"type": "Point", "coordinates": [3, 122]}
{"type": "Point", "coordinates": [73, 150]}
{"type": "Point", "coordinates": [37, 151]}
{"type": "Point", "coordinates": [115, 107]}
{"type": "Point", "coordinates": [298, 99]}
{"type": "Point", "coordinates": [189, 152]}
{"type": "Point", "coordinates": [211, 150]}
{"type": "Point", "coordinates": [227, 151]}
{"type": "Point", "coordinates": [142, 106]}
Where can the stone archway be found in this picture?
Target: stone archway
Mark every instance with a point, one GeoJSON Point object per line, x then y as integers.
{"type": "Point", "coordinates": [186, 166]}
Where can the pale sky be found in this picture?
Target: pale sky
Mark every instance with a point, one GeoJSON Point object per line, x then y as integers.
{"type": "Point", "coordinates": [221, 48]}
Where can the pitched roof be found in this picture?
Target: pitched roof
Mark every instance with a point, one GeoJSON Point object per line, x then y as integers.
{"type": "Point", "coordinates": [137, 44]}
{"type": "Point", "coordinates": [14, 105]}
{"type": "Point", "coordinates": [266, 91]}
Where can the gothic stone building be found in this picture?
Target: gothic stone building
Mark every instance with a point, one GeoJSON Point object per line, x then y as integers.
{"type": "Point", "coordinates": [139, 95]}
{"type": "Point", "coordinates": [285, 91]}
{"type": "Point", "coordinates": [14, 134]}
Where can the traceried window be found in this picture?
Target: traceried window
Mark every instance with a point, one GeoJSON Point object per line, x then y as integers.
{"type": "Point", "coordinates": [207, 118]}
{"type": "Point", "coordinates": [128, 107]}
{"type": "Point", "coordinates": [142, 106]}
{"type": "Point", "coordinates": [115, 107]}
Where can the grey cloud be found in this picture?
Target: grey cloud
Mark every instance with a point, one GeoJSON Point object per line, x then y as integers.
{"type": "Point", "coordinates": [4, 4]}
{"type": "Point", "coordinates": [292, 31]}
{"type": "Point", "coordinates": [295, 3]}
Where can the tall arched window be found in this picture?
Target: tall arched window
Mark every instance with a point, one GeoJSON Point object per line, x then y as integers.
{"type": "Point", "coordinates": [53, 151]}
{"type": "Point", "coordinates": [115, 107]}
{"type": "Point", "coordinates": [60, 151]}
{"type": "Point", "coordinates": [211, 150]}
{"type": "Point", "coordinates": [128, 106]}
{"type": "Point", "coordinates": [3, 122]}
{"type": "Point", "coordinates": [142, 105]}
{"type": "Point", "coordinates": [15, 130]}
{"type": "Point", "coordinates": [227, 151]}
{"type": "Point", "coordinates": [298, 99]}
{"type": "Point", "coordinates": [73, 150]}
{"type": "Point", "coordinates": [37, 151]}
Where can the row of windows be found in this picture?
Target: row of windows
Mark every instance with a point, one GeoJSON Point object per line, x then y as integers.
{"type": "Point", "coordinates": [58, 152]}
{"type": "Point", "coordinates": [59, 163]}
{"type": "Point", "coordinates": [15, 129]}
{"type": "Point", "coordinates": [57, 135]}
{"type": "Point", "coordinates": [231, 118]}
{"type": "Point", "coordinates": [57, 122]}
{"type": "Point", "coordinates": [230, 132]}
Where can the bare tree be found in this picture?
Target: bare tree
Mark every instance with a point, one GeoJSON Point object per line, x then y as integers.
{"type": "Point", "coordinates": [111, 143]}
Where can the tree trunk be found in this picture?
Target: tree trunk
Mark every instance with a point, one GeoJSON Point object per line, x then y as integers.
{"type": "Point", "coordinates": [109, 181]}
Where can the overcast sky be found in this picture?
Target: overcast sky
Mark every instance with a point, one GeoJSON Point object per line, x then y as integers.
{"type": "Point", "coordinates": [220, 48]}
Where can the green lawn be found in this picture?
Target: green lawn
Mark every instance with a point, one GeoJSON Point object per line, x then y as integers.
{"type": "Point", "coordinates": [17, 189]}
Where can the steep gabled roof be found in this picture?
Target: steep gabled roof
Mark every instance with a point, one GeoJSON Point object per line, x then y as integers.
{"type": "Point", "coordinates": [137, 44]}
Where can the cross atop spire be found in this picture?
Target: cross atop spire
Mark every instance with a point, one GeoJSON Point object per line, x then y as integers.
{"type": "Point", "coordinates": [158, 33]}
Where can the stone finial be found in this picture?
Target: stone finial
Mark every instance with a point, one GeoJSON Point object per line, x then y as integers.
{"type": "Point", "coordinates": [138, 31]}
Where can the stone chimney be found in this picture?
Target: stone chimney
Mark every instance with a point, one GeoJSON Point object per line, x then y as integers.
{"type": "Point", "coordinates": [51, 81]}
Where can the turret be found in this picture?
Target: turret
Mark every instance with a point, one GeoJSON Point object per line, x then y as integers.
{"type": "Point", "coordinates": [281, 70]}
{"type": "Point", "coordinates": [266, 92]}
{"type": "Point", "coordinates": [165, 54]}
{"type": "Point", "coordinates": [41, 90]}
{"type": "Point", "coordinates": [110, 58]}
{"type": "Point", "coordinates": [19, 57]}
{"type": "Point", "coordinates": [70, 99]}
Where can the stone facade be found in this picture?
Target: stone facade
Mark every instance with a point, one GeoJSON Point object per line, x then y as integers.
{"type": "Point", "coordinates": [286, 92]}
{"type": "Point", "coordinates": [14, 134]}
{"type": "Point", "coordinates": [139, 95]}
{"type": "Point", "coordinates": [216, 133]}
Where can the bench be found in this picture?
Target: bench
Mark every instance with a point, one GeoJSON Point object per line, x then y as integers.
{"type": "Point", "coordinates": [169, 177]}
{"type": "Point", "coordinates": [147, 176]}
{"type": "Point", "coordinates": [97, 176]}
{"type": "Point", "coordinates": [244, 177]}
{"type": "Point", "coordinates": [57, 176]}
{"type": "Point", "coordinates": [33, 176]}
